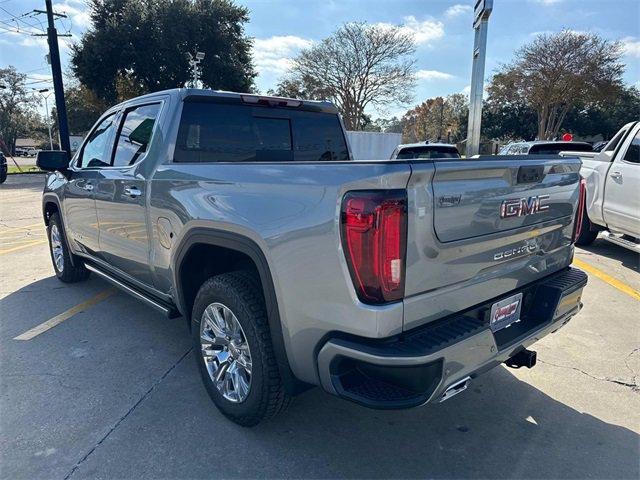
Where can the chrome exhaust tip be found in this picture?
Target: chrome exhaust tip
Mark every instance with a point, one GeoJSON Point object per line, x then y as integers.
{"type": "Point", "coordinates": [454, 389]}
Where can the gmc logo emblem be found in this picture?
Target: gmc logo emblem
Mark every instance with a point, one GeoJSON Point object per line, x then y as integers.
{"type": "Point", "coordinates": [521, 207]}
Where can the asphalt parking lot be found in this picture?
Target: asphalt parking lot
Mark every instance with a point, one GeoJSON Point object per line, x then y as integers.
{"type": "Point", "coordinates": [111, 390]}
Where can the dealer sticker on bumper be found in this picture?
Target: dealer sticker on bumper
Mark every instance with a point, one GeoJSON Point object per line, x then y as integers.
{"type": "Point", "coordinates": [505, 312]}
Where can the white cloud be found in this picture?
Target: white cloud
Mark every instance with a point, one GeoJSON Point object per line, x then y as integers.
{"type": "Point", "coordinates": [78, 12]}
{"type": "Point", "coordinates": [423, 32]}
{"type": "Point", "coordinates": [631, 46]}
{"type": "Point", "coordinates": [466, 90]}
{"type": "Point", "coordinates": [433, 75]}
{"type": "Point", "coordinates": [457, 10]}
{"type": "Point", "coordinates": [274, 54]}
{"type": "Point", "coordinates": [548, 2]}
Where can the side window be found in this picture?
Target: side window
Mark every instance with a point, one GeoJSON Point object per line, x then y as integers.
{"type": "Point", "coordinates": [230, 133]}
{"type": "Point", "coordinates": [633, 152]}
{"type": "Point", "coordinates": [97, 151]}
{"type": "Point", "coordinates": [135, 134]}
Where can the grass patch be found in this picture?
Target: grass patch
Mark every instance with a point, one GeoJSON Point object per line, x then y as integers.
{"type": "Point", "coordinates": [13, 170]}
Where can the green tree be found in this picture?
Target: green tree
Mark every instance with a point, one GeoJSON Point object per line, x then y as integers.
{"type": "Point", "coordinates": [83, 109]}
{"type": "Point", "coordinates": [437, 119]}
{"type": "Point", "coordinates": [507, 117]}
{"type": "Point", "coordinates": [17, 109]}
{"type": "Point", "coordinates": [358, 66]}
{"type": "Point", "coordinates": [555, 72]}
{"type": "Point", "coordinates": [140, 46]}
{"type": "Point", "coordinates": [604, 118]}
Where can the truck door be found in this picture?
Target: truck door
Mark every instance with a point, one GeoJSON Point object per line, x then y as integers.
{"type": "Point", "coordinates": [121, 195]}
{"type": "Point", "coordinates": [81, 222]}
{"type": "Point", "coordinates": [621, 200]}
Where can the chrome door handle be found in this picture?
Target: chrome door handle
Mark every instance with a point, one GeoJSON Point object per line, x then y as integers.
{"type": "Point", "coordinates": [132, 191]}
{"type": "Point", "coordinates": [615, 175]}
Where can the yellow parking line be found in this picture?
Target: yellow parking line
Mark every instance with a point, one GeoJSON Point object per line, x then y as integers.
{"type": "Point", "coordinates": [23, 227]}
{"type": "Point", "coordinates": [58, 319]}
{"type": "Point", "coordinates": [20, 247]}
{"type": "Point", "coordinates": [623, 287]}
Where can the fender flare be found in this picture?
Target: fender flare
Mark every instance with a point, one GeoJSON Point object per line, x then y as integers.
{"type": "Point", "coordinates": [242, 244]}
{"type": "Point", "coordinates": [53, 198]}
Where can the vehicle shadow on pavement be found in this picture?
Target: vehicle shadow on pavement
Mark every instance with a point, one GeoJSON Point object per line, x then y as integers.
{"type": "Point", "coordinates": [121, 400]}
{"type": "Point", "coordinates": [626, 257]}
{"type": "Point", "coordinates": [33, 182]}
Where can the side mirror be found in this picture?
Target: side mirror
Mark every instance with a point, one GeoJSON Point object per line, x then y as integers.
{"type": "Point", "coordinates": [52, 160]}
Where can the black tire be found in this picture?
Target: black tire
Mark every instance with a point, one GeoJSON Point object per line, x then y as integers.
{"type": "Point", "coordinates": [70, 272]}
{"type": "Point", "coordinates": [3, 175]}
{"type": "Point", "coordinates": [242, 294]}
{"type": "Point", "coordinates": [588, 234]}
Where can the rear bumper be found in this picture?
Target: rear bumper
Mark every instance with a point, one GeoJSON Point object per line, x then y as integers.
{"type": "Point", "coordinates": [419, 366]}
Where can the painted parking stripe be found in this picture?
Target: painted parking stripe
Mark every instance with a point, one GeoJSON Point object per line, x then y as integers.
{"type": "Point", "coordinates": [614, 282]}
{"type": "Point", "coordinates": [58, 319]}
{"type": "Point", "coordinates": [21, 227]}
{"type": "Point", "coordinates": [20, 247]}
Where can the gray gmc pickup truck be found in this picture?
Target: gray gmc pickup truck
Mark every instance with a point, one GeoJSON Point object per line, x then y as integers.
{"type": "Point", "coordinates": [388, 283]}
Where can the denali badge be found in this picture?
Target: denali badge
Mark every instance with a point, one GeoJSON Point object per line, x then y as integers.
{"type": "Point", "coordinates": [520, 207]}
{"type": "Point", "coordinates": [514, 252]}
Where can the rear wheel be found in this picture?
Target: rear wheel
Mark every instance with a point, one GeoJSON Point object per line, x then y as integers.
{"type": "Point", "coordinates": [234, 352]}
{"type": "Point", "coordinates": [67, 271]}
{"type": "Point", "coordinates": [588, 234]}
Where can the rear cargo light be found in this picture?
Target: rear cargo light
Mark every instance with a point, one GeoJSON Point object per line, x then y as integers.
{"type": "Point", "coordinates": [374, 239]}
{"type": "Point", "coordinates": [582, 200]}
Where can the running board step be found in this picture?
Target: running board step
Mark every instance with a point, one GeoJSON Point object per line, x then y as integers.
{"type": "Point", "coordinates": [168, 310]}
{"type": "Point", "coordinates": [620, 240]}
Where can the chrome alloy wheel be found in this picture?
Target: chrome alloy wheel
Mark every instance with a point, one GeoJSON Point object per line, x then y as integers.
{"type": "Point", "coordinates": [56, 248]}
{"type": "Point", "coordinates": [225, 352]}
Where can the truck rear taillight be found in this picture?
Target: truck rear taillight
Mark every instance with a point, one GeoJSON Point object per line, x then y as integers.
{"type": "Point", "coordinates": [374, 239]}
{"type": "Point", "coordinates": [582, 200]}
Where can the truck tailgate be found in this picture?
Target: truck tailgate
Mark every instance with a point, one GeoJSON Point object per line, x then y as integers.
{"type": "Point", "coordinates": [480, 228]}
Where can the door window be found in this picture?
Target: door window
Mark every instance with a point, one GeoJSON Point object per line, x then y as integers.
{"type": "Point", "coordinates": [135, 134]}
{"type": "Point", "coordinates": [633, 152]}
{"type": "Point", "coordinates": [97, 150]}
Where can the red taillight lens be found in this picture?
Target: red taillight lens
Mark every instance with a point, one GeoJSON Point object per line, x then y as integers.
{"type": "Point", "coordinates": [374, 239]}
{"type": "Point", "coordinates": [582, 200]}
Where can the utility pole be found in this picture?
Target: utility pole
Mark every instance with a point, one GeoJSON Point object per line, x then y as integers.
{"type": "Point", "coordinates": [56, 72]}
{"type": "Point", "coordinates": [480, 25]}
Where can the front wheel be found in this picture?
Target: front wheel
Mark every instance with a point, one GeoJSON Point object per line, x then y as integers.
{"type": "Point", "coordinates": [234, 351]}
{"type": "Point", "coordinates": [67, 271]}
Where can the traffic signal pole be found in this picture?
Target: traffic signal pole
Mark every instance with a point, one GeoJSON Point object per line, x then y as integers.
{"type": "Point", "coordinates": [56, 72]}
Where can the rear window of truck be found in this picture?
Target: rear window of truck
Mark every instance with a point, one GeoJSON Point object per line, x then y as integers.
{"type": "Point", "coordinates": [428, 152]}
{"type": "Point", "coordinates": [211, 132]}
{"type": "Point", "coordinates": [555, 148]}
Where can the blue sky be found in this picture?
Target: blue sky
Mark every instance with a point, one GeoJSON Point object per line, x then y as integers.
{"type": "Point", "coordinates": [441, 28]}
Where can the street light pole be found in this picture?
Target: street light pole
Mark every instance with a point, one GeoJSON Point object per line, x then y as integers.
{"type": "Point", "coordinates": [481, 25]}
{"type": "Point", "coordinates": [46, 107]}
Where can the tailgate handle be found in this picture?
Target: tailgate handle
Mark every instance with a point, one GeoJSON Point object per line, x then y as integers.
{"type": "Point", "coordinates": [530, 174]}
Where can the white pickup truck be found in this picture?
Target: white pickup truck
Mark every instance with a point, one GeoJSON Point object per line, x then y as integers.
{"type": "Point", "coordinates": [613, 190]}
